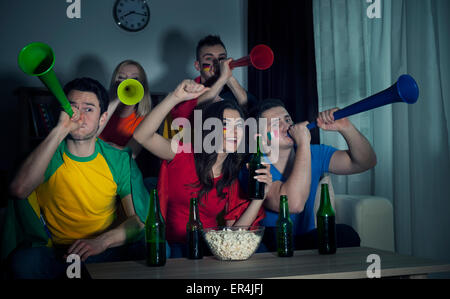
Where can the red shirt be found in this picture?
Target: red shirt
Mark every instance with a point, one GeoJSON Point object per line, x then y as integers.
{"type": "Point", "coordinates": [120, 130]}
{"type": "Point", "coordinates": [175, 190]}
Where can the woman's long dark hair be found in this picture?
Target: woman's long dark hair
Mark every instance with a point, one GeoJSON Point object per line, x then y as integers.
{"type": "Point", "coordinates": [204, 161]}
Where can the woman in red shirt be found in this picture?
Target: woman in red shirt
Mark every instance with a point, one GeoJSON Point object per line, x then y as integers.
{"type": "Point", "coordinates": [211, 176]}
{"type": "Point", "coordinates": [124, 119]}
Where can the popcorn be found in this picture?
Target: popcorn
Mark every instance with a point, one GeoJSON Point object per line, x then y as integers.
{"type": "Point", "coordinates": [229, 244]}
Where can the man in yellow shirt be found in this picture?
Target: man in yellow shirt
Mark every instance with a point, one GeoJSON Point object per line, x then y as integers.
{"type": "Point", "coordinates": [76, 180]}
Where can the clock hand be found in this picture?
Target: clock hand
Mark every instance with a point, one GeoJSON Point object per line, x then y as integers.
{"type": "Point", "coordinates": [131, 12]}
{"type": "Point", "coordinates": [142, 14]}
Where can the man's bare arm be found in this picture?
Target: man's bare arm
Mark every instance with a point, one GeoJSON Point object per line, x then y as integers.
{"type": "Point", "coordinates": [31, 173]}
{"type": "Point", "coordinates": [297, 185]}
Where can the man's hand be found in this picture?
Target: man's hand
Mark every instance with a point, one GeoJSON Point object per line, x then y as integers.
{"type": "Point", "coordinates": [326, 121]}
{"type": "Point", "coordinates": [69, 124]}
{"type": "Point", "coordinates": [220, 69]}
{"type": "Point", "coordinates": [84, 248]}
{"type": "Point", "coordinates": [189, 89]}
{"type": "Point", "coordinates": [300, 133]}
{"type": "Point", "coordinates": [225, 70]}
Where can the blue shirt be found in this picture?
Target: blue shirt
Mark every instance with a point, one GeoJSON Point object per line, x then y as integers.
{"type": "Point", "coordinates": [303, 222]}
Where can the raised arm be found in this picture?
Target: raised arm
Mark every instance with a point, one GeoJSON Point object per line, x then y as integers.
{"type": "Point", "coordinates": [146, 133]}
{"type": "Point", "coordinates": [31, 173]}
{"type": "Point", "coordinates": [112, 106]}
{"type": "Point", "coordinates": [238, 91]}
{"type": "Point", "coordinates": [225, 78]}
{"type": "Point", "coordinates": [359, 157]}
{"type": "Point", "coordinates": [297, 185]}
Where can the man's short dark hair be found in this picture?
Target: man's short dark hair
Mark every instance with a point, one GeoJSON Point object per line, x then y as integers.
{"type": "Point", "coordinates": [90, 85]}
{"type": "Point", "coordinates": [265, 105]}
{"type": "Point", "coordinates": [208, 41]}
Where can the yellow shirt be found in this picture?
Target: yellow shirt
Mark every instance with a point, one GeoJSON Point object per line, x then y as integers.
{"type": "Point", "coordinates": [78, 196]}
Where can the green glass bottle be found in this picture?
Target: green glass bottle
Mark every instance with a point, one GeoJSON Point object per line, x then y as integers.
{"type": "Point", "coordinates": [155, 233]}
{"type": "Point", "coordinates": [255, 188]}
{"type": "Point", "coordinates": [194, 232]}
{"type": "Point", "coordinates": [326, 223]}
{"type": "Point", "coordinates": [285, 245]}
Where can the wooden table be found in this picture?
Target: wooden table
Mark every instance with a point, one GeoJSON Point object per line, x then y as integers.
{"type": "Point", "coordinates": [346, 263]}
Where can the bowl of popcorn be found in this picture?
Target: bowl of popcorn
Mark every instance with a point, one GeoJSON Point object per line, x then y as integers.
{"type": "Point", "coordinates": [235, 243]}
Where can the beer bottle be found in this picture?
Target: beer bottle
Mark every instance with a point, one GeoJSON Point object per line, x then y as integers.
{"type": "Point", "coordinates": [326, 227]}
{"type": "Point", "coordinates": [155, 233]}
{"type": "Point", "coordinates": [194, 231]}
{"type": "Point", "coordinates": [285, 246]}
{"type": "Point", "coordinates": [256, 188]}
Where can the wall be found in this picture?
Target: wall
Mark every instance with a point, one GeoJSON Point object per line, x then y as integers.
{"type": "Point", "coordinates": [93, 45]}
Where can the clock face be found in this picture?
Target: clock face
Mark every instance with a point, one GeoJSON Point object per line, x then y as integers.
{"type": "Point", "coordinates": [131, 15]}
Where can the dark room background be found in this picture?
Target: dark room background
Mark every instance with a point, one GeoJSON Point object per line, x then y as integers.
{"type": "Point", "coordinates": [292, 77]}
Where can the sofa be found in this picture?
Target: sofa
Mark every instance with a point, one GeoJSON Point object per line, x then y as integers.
{"type": "Point", "coordinates": [372, 217]}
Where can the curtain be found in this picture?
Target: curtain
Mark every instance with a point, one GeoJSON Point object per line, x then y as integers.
{"type": "Point", "coordinates": [358, 56]}
{"type": "Point", "coordinates": [287, 29]}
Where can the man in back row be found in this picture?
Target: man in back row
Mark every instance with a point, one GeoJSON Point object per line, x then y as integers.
{"type": "Point", "coordinates": [72, 180]}
{"type": "Point", "coordinates": [213, 65]}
